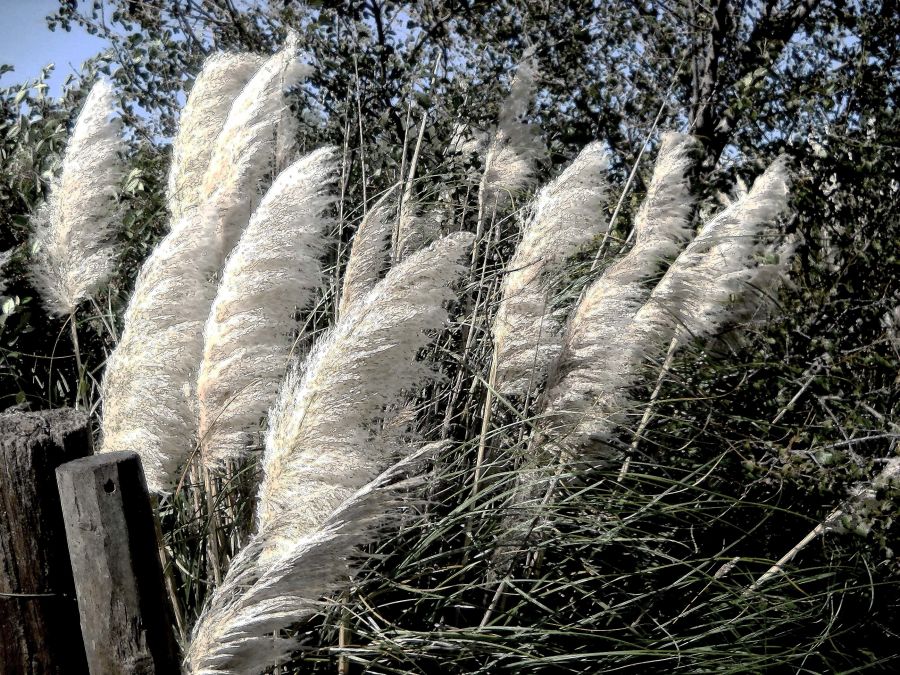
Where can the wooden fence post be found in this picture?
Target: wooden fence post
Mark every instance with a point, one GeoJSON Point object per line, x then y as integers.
{"type": "Point", "coordinates": [39, 629]}
{"type": "Point", "coordinates": [125, 617]}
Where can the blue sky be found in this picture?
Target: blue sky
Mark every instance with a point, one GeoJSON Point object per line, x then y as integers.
{"type": "Point", "coordinates": [28, 45]}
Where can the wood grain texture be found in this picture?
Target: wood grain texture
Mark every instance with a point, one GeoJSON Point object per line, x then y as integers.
{"type": "Point", "coordinates": [39, 626]}
{"type": "Point", "coordinates": [125, 616]}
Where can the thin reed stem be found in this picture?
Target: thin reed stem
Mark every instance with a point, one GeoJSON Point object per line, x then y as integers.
{"type": "Point", "coordinates": [107, 318]}
{"type": "Point", "coordinates": [80, 380]}
{"type": "Point", "coordinates": [481, 457]}
{"type": "Point", "coordinates": [645, 418]}
{"type": "Point", "coordinates": [344, 634]}
{"type": "Point", "coordinates": [213, 546]}
{"type": "Point", "coordinates": [168, 576]}
{"type": "Point", "coordinates": [406, 197]}
{"type": "Point", "coordinates": [778, 567]}
{"type": "Point", "coordinates": [362, 139]}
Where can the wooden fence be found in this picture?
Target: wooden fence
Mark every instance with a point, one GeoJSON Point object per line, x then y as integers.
{"type": "Point", "coordinates": [81, 584]}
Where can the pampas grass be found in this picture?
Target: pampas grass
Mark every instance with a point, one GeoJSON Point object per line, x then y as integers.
{"type": "Point", "coordinates": [515, 145]}
{"type": "Point", "coordinates": [323, 441]}
{"type": "Point", "coordinates": [567, 217]}
{"type": "Point", "coordinates": [273, 271]}
{"type": "Point", "coordinates": [74, 229]}
{"type": "Point", "coordinates": [702, 289]}
{"type": "Point", "coordinates": [368, 254]}
{"type": "Point", "coordinates": [217, 86]}
{"type": "Point", "coordinates": [588, 514]}
{"type": "Point", "coordinates": [238, 631]}
{"type": "Point", "coordinates": [247, 147]}
{"type": "Point", "coordinates": [147, 387]}
{"type": "Point", "coordinates": [593, 360]}
{"type": "Point", "coordinates": [694, 298]}
{"type": "Point", "coordinates": [588, 366]}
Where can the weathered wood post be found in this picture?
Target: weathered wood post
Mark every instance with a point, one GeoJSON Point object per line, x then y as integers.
{"type": "Point", "coordinates": [39, 628]}
{"type": "Point", "coordinates": [125, 617]}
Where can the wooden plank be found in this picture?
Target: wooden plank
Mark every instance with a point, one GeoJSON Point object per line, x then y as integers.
{"type": "Point", "coordinates": [125, 617]}
{"type": "Point", "coordinates": [39, 627]}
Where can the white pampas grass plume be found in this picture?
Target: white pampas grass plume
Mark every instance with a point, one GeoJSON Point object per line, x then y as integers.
{"type": "Point", "coordinates": [466, 141]}
{"type": "Point", "coordinates": [147, 401]}
{"type": "Point", "coordinates": [415, 230]}
{"type": "Point", "coordinates": [238, 630]}
{"type": "Point", "coordinates": [273, 271]}
{"type": "Point", "coordinates": [699, 293]}
{"type": "Point", "coordinates": [218, 84]}
{"type": "Point", "coordinates": [597, 337]}
{"type": "Point", "coordinates": [369, 252]}
{"type": "Point", "coordinates": [246, 148]}
{"type": "Point", "coordinates": [149, 404]}
{"type": "Point", "coordinates": [696, 296]}
{"type": "Point", "coordinates": [323, 440]}
{"type": "Point", "coordinates": [509, 163]}
{"type": "Point", "coordinates": [73, 251]}
{"type": "Point", "coordinates": [5, 257]}
{"type": "Point", "coordinates": [567, 216]}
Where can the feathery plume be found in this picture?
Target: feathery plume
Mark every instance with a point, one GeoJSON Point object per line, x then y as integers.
{"type": "Point", "coordinates": [509, 163]}
{"type": "Point", "coordinates": [246, 148]}
{"type": "Point", "coordinates": [567, 216]}
{"type": "Point", "coordinates": [147, 402]}
{"type": "Point", "coordinates": [466, 141]}
{"type": "Point", "coordinates": [237, 632]}
{"type": "Point", "coordinates": [5, 257]}
{"type": "Point", "coordinates": [597, 337]}
{"type": "Point", "coordinates": [323, 441]}
{"type": "Point", "coordinates": [695, 297]}
{"type": "Point", "coordinates": [73, 252]}
{"type": "Point", "coordinates": [368, 254]}
{"type": "Point", "coordinates": [416, 230]}
{"type": "Point", "coordinates": [273, 271]}
{"type": "Point", "coordinates": [221, 79]}
{"type": "Point", "coordinates": [594, 360]}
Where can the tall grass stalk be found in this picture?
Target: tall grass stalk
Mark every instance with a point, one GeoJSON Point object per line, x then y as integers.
{"type": "Point", "coordinates": [405, 220]}
{"type": "Point", "coordinates": [565, 219]}
{"type": "Point", "coordinates": [599, 351]}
